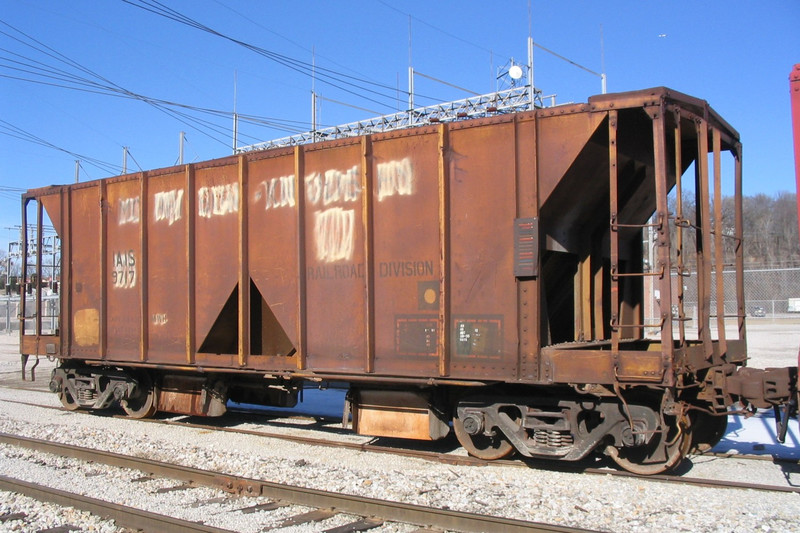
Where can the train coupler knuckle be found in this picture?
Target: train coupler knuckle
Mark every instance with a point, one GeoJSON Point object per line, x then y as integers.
{"type": "Point", "coordinates": [763, 388]}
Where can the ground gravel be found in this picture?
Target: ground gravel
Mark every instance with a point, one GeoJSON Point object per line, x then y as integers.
{"type": "Point", "coordinates": [602, 503]}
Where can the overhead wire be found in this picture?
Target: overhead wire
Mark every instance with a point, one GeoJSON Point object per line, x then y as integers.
{"type": "Point", "coordinates": [10, 130]}
{"type": "Point", "coordinates": [43, 73]}
{"type": "Point", "coordinates": [342, 81]}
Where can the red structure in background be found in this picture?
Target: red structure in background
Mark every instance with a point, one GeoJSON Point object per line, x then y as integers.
{"type": "Point", "coordinates": [794, 90]}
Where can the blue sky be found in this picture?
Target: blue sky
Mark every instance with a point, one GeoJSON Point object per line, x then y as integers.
{"type": "Point", "coordinates": [736, 55]}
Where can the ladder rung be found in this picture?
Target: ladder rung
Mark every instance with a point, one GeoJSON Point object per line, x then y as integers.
{"type": "Point", "coordinates": [615, 224]}
{"type": "Point", "coordinates": [615, 274]}
{"type": "Point", "coordinates": [659, 324]}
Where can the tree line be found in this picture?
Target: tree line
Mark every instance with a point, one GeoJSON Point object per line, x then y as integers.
{"type": "Point", "coordinates": [769, 230]}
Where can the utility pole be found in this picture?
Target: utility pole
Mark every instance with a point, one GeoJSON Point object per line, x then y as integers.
{"type": "Point", "coordinates": [124, 159]}
{"type": "Point", "coordinates": [180, 150]}
{"type": "Point", "coordinates": [410, 78]}
{"type": "Point", "coordinates": [602, 61]}
{"type": "Point", "coordinates": [77, 170]}
{"type": "Point", "coordinates": [313, 94]}
{"type": "Point", "coordinates": [235, 116]}
{"type": "Point", "coordinates": [531, 87]}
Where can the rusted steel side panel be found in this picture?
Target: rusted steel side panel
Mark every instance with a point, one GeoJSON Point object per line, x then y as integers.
{"type": "Point", "coordinates": [390, 255]}
{"type": "Point", "coordinates": [595, 366]}
{"type": "Point", "coordinates": [483, 287]}
{"type": "Point", "coordinates": [560, 139]}
{"type": "Point", "coordinates": [168, 269]}
{"type": "Point", "coordinates": [405, 225]}
{"type": "Point", "coordinates": [273, 263]}
{"type": "Point", "coordinates": [216, 263]}
{"type": "Point", "coordinates": [123, 256]}
{"type": "Point", "coordinates": [86, 283]}
{"type": "Point", "coordinates": [335, 274]}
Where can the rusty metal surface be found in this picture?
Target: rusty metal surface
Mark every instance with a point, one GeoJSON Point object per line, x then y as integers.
{"type": "Point", "coordinates": [394, 254]}
{"type": "Point", "coordinates": [794, 90]}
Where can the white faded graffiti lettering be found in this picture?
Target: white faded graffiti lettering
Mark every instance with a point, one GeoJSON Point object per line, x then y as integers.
{"type": "Point", "coordinates": [128, 211]}
{"type": "Point", "coordinates": [336, 186]}
{"type": "Point", "coordinates": [218, 200]}
{"type": "Point", "coordinates": [168, 205]}
{"type": "Point", "coordinates": [333, 234]}
{"type": "Point", "coordinates": [334, 227]}
{"type": "Point", "coordinates": [395, 178]}
{"type": "Point", "coordinates": [279, 192]}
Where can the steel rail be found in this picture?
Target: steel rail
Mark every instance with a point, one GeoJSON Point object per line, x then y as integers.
{"type": "Point", "coordinates": [387, 510]}
{"type": "Point", "coordinates": [129, 517]}
{"type": "Point", "coordinates": [446, 458]}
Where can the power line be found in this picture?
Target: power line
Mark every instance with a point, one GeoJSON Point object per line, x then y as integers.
{"type": "Point", "coordinates": [6, 128]}
{"type": "Point", "coordinates": [331, 77]}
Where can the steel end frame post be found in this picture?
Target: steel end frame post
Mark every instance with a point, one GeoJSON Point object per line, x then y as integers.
{"type": "Point", "coordinates": [24, 267]}
{"type": "Point", "coordinates": [794, 90]}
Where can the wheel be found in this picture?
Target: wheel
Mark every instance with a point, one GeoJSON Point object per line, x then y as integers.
{"type": "Point", "coordinates": [665, 451]}
{"type": "Point", "coordinates": [69, 403]}
{"type": "Point", "coordinates": [488, 448]}
{"type": "Point", "coordinates": [707, 430]}
{"type": "Point", "coordinates": [145, 403]}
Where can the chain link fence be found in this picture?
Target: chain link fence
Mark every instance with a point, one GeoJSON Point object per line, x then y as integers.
{"type": "Point", "coordinates": [9, 315]}
{"type": "Point", "coordinates": [773, 293]}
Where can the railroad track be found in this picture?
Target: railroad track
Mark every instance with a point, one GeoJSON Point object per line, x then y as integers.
{"type": "Point", "coordinates": [124, 516]}
{"type": "Point", "coordinates": [582, 467]}
{"type": "Point", "coordinates": [370, 512]}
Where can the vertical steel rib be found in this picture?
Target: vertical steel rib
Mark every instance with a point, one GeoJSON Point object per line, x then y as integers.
{"type": "Point", "coordinates": [244, 265]}
{"type": "Point", "coordinates": [703, 240]}
{"type": "Point", "coordinates": [144, 274]}
{"type": "Point", "coordinates": [444, 250]}
{"type": "Point", "coordinates": [368, 207]}
{"type": "Point", "coordinates": [679, 226]}
{"type": "Point", "coordinates": [613, 199]}
{"type": "Point", "coordinates": [191, 199]}
{"type": "Point", "coordinates": [302, 328]}
{"type": "Point", "coordinates": [663, 256]}
{"type": "Point", "coordinates": [719, 250]}
{"type": "Point", "coordinates": [738, 235]}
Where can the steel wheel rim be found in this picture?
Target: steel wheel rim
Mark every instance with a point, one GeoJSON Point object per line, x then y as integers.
{"type": "Point", "coordinates": [482, 446]}
{"type": "Point", "coordinates": [676, 444]}
{"type": "Point", "coordinates": [144, 404]}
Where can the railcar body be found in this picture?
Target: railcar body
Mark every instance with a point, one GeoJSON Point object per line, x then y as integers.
{"type": "Point", "coordinates": [491, 273]}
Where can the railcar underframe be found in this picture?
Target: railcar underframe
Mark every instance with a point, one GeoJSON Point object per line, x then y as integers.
{"type": "Point", "coordinates": [521, 278]}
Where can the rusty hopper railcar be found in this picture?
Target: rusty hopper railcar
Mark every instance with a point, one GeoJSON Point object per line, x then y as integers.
{"type": "Point", "coordinates": [492, 273]}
